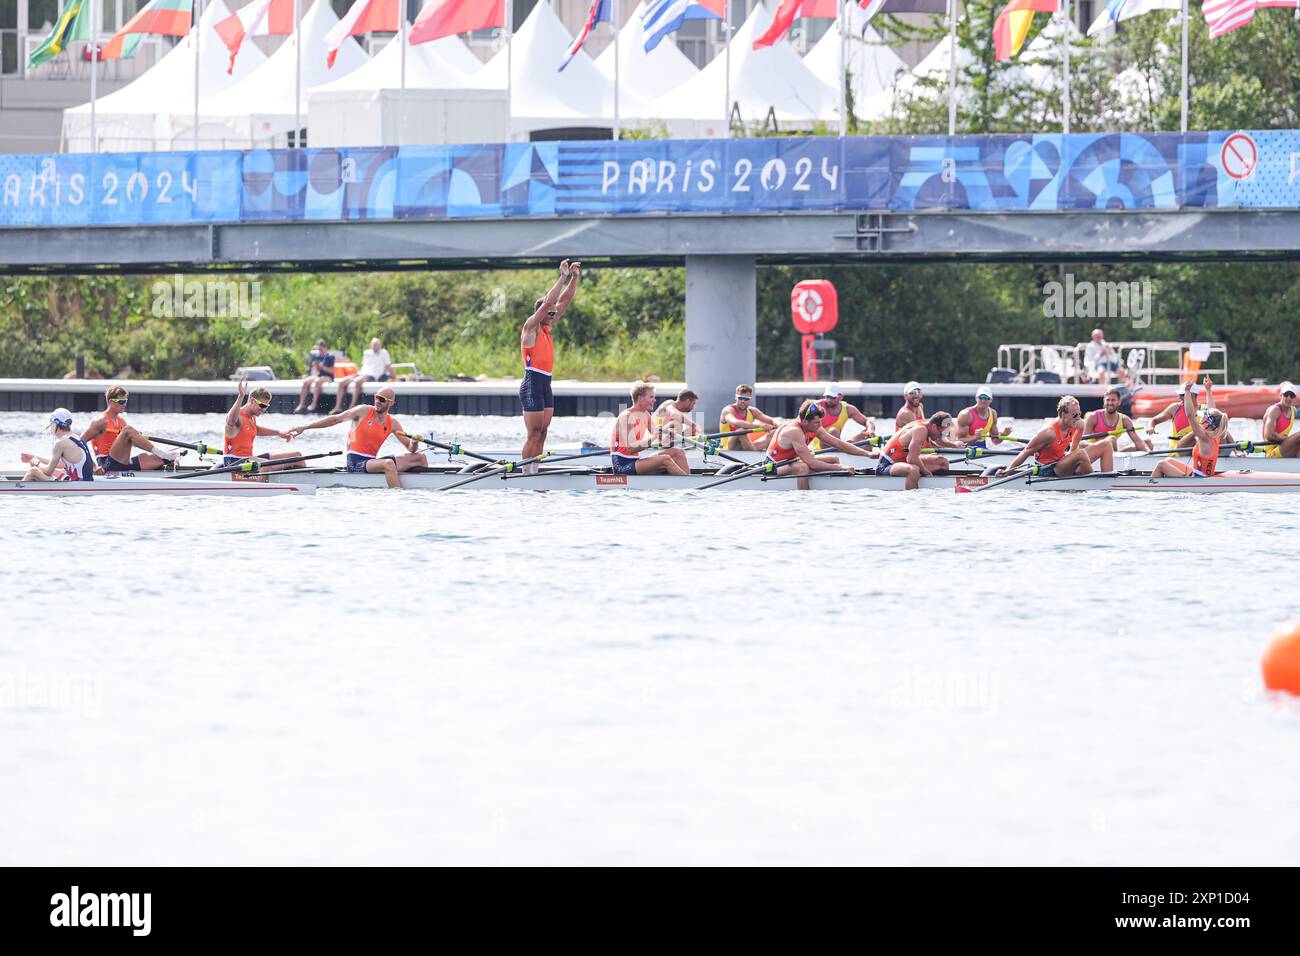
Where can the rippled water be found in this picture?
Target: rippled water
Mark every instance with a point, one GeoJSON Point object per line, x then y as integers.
{"type": "Point", "coordinates": [831, 677]}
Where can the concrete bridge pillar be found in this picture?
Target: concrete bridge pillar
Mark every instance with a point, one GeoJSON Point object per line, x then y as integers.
{"type": "Point", "coordinates": [721, 330]}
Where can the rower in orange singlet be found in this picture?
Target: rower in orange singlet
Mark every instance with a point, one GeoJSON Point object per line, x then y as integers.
{"type": "Point", "coordinates": [538, 350]}
{"type": "Point", "coordinates": [788, 448]}
{"type": "Point", "coordinates": [1056, 448]}
{"type": "Point", "coordinates": [903, 457]}
{"type": "Point", "coordinates": [630, 442]}
{"type": "Point", "coordinates": [1280, 424]}
{"type": "Point", "coordinates": [1208, 431]}
{"type": "Point", "coordinates": [114, 440]}
{"type": "Point", "coordinates": [243, 427]}
{"type": "Point", "coordinates": [371, 426]}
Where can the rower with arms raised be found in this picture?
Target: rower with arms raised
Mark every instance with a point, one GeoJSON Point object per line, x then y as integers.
{"type": "Point", "coordinates": [371, 425]}
{"type": "Point", "coordinates": [538, 350]}
{"type": "Point", "coordinates": [242, 428]}
{"type": "Point", "coordinates": [1056, 448]}
{"type": "Point", "coordinates": [633, 434]}
{"type": "Point", "coordinates": [70, 453]}
{"type": "Point", "coordinates": [1208, 431]}
{"type": "Point", "coordinates": [788, 449]}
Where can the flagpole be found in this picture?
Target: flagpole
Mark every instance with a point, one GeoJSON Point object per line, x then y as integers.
{"type": "Point", "coordinates": [844, 99]}
{"type": "Point", "coordinates": [1184, 93]}
{"type": "Point", "coordinates": [94, 70]}
{"type": "Point", "coordinates": [297, 75]}
{"type": "Point", "coordinates": [510, 31]}
{"type": "Point", "coordinates": [617, 21]}
{"type": "Point", "coordinates": [952, 67]}
{"type": "Point", "coordinates": [726, 38]}
{"type": "Point", "coordinates": [194, 15]}
{"type": "Point", "coordinates": [1065, 43]}
{"type": "Point", "coordinates": [402, 38]}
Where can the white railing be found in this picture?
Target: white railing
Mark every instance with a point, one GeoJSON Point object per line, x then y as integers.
{"type": "Point", "coordinates": [1141, 363]}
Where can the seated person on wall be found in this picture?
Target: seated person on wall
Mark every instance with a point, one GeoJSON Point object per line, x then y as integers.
{"type": "Point", "coordinates": [376, 366]}
{"type": "Point", "coordinates": [320, 370]}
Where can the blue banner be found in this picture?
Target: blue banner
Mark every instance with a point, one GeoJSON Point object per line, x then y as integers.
{"type": "Point", "coordinates": [755, 176]}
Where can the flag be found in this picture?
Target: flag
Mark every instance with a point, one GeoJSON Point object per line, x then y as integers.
{"type": "Point", "coordinates": [1117, 10]}
{"type": "Point", "coordinates": [166, 17]}
{"type": "Point", "coordinates": [1224, 16]}
{"type": "Point", "coordinates": [70, 26]}
{"type": "Point", "coordinates": [873, 7]}
{"type": "Point", "coordinates": [364, 16]}
{"type": "Point", "coordinates": [663, 17]}
{"type": "Point", "coordinates": [259, 18]}
{"type": "Point", "coordinates": [444, 18]}
{"type": "Point", "coordinates": [787, 11]}
{"type": "Point", "coordinates": [600, 13]}
{"type": "Point", "coordinates": [1012, 25]}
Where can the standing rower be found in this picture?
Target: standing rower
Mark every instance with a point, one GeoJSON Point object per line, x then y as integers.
{"type": "Point", "coordinates": [538, 349]}
{"type": "Point", "coordinates": [70, 453]}
{"type": "Point", "coordinates": [371, 425]}
{"type": "Point", "coordinates": [1208, 431]}
{"type": "Point", "coordinates": [904, 455]}
{"type": "Point", "coordinates": [741, 415]}
{"type": "Point", "coordinates": [1056, 448]}
{"type": "Point", "coordinates": [788, 449]}
{"type": "Point", "coordinates": [114, 440]}
{"type": "Point", "coordinates": [632, 436]}
{"type": "Point", "coordinates": [673, 420]}
{"type": "Point", "coordinates": [913, 409]}
{"type": "Point", "coordinates": [242, 428]}
{"type": "Point", "coordinates": [977, 424]}
{"type": "Point", "coordinates": [1279, 422]}
{"type": "Point", "coordinates": [837, 413]}
{"type": "Point", "coordinates": [1109, 424]}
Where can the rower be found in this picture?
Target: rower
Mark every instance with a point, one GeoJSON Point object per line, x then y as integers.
{"type": "Point", "coordinates": [243, 427]}
{"type": "Point", "coordinates": [977, 424]}
{"type": "Point", "coordinates": [913, 409]}
{"type": "Point", "coordinates": [741, 415]}
{"type": "Point", "coordinates": [788, 449]}
{"type": "Point", "coordinates": [903, 454]}
{"type": "Point", "coordinates": [371, 427]}
{"type": "Point", "coordinates": [538, 350]}
{"type": "Point", "coordinates": [114, 440]}
{"type": "Point", "coordinates": [1208, 431]}
{"type": "Point", "coordinates": [673, 420]}
{"type": "Point", "coordinates": [838, 413]}
{"type": "Point", "coordinates": [70, 453]}
{"type": "Point", "coordinates": [1279, 422]}
{"type": "Point", "coordinates": [630, 441]}
{"type": "Point", "coordinates": [1176, 414]}
{"type": "Point", "coordinates": [1109, 424]}
{"type": "Point", "coordinates": [1056, 447]}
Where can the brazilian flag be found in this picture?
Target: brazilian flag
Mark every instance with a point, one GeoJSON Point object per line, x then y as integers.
{"type": "Point", "coordinates": [73, 24]}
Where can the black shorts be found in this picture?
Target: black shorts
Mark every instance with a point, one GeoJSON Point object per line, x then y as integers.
{"type": "Point", "coordinates": [535, 391]}
{"type": "Point", "coordinates": [623, 465]}
{"type": "Point", "coordinates": [357, 462]}
{"type": "Point", "coordinates": [109, 463]}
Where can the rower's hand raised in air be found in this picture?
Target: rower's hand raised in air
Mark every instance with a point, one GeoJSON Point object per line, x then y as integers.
{"type": "Point", "coordinates": [243, 389]}
{"type": "Point", "coordinates": [564, 269]}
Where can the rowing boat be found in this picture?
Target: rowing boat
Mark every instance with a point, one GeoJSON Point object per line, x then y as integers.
{"type": "Point", "coordinates": [131, 484]}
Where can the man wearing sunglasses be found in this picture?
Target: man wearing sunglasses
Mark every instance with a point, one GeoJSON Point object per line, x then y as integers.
{"type": "Point", "coordinates": [1280, 424]}
{"type": "Point", "coordinates": [242, 428]}
{"type": "Point", "coordinates": [114, 440]}
{"type": "Point", "coordinates": [743, 415]}
{"type": "Point", "coordinates": [913, 409]}
{"type": "Point", "coordinates": [1056, 447]}
{"type": "Point", "coordinates": [371, 426]}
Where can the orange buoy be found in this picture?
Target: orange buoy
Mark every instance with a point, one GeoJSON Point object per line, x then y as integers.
{"type": "Point", "coordinates": [1281, 662]}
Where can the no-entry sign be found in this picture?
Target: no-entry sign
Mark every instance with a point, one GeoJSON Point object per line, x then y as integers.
{"type": "Point", "coordinates": [1239, 156]}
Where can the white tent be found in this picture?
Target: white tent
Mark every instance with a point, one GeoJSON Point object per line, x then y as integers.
{"type": "Point", "coordinates": [543, 97]}
{"type": "Point", "coordinates": [645, 75]}
{"type": "Point", "coordinates": [872, 65]}
{"type": "Point", "coordinates": [771, 79]}
{"type": "Point", "coordinates": [138, 116]}
{"type": "Point", "coordinates": [259, 110]}
{"type": "Point", "coordinates": [934, 66]}
{"type": "Point", "coordinates": [441, 64]}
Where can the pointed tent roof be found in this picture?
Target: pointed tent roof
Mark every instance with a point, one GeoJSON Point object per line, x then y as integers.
{"type": "Point", "coordinates": [136, 117]}
{"type": "Point", "coordinates": [647, 75]}
{"type": "Point", "coordinates": [261, 104]}
{"type": "Point", "coordinates": [443, 64]}
{"type": "Point", "coordinates": [873, 66]}
{"type": "Point", "coordinates": [771, 78]}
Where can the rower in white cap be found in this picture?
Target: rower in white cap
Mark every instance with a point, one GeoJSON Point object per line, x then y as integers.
{"type": "Point", "coordinates": [69, 453]}
{"type": "Point", "coordinates": [1279, 424]}
{"type": "Point", "coordinates": [977, 425]}
{"type": "Point", "coordinates": [913, 409]}
{"type": "Point", "coordinates": [837, 413]}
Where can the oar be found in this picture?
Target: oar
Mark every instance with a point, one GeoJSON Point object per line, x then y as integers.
{"type": "Point", "coordinates": [255, 465]}
{"type": "Point", "coordinates": [203, 448]}
{"type": "Point", "coordinates": [767, 465]}
{"type": "Point", "coordinates": [505, 466]}
{"type": "Point", "coordinates": [453, 449]}
{"type": "Point", "coordinates": [733, 434]}
{"type": "Point", "coordinates": [709, 448]}
{"type": "Point", "coordinates": [1032, 480]}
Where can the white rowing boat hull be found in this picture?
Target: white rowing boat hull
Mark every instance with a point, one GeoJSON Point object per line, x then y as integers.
{"type": "Point", "coordinates": [132, 485]}
{"type": "Point", "coordinates": [1260, 484]}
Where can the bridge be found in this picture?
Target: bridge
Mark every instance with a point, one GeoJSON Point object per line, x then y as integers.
{"type": "Point", "coordinates": [720, 208]}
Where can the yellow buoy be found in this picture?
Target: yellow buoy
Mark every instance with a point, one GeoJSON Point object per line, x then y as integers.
{"type": "Point", "coordinates": [1281, 664]}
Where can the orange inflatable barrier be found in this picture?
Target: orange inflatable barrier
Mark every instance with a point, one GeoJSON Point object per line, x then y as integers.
{"type": "Point", "coordinates": [1239, 401]}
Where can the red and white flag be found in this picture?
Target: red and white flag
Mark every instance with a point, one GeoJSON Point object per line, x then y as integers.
{"type": "Point", "coordinates": [257, 19]}
{"type": "Point", "coordinates": [1224, 16]}
{"type": "Point", "coordinates": [364, 16]}
{"type": "Point", "coordinates": [444, 18]}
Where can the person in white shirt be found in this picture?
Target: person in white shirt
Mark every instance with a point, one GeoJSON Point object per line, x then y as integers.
{"type": "Point", "coordinates": [1099, 359]}
{"type": "Point", "coordinates": [376, 366]}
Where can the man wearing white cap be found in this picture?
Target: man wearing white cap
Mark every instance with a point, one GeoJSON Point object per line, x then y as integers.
{"type": "Point", "coordinates": [838, 413]}
{"type": "Point", "coordinates": [69, 453]}
{"type": "Point", "coordinates": [913, 409]}
{"type": "Point", "coordinates": [1279, 424]}
{"type": "Point", "coordinates": [977, 424]}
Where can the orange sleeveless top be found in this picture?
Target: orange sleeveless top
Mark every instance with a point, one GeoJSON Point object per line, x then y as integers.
{"type": "Point", "coordinates": [1061, 445]}
{"type": "Point", "coordinates": [241, 446]}
{"type": "Point", "coordinates": [113, 426]}
{"type": "Point", "coordinates": [368, 435]}
{"type": "Point", "coordinates": [895, 448]}
{"type": "Point", "coordinates": [779, 455]}
{"type": "Point", "coordinates": [540, 356]}
{"type": "Point", "coordinates": [1205, 465]}
{"type": "Point", "coordinates": [637, 426]}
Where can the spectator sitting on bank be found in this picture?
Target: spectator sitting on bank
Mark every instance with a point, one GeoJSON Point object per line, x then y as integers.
{"type": "Point", "coordinates": [320, 370]}
{"type": "Point", "coordinates": [376, 366]}
{"type": "Point", "coordinates": [1099, 360]}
